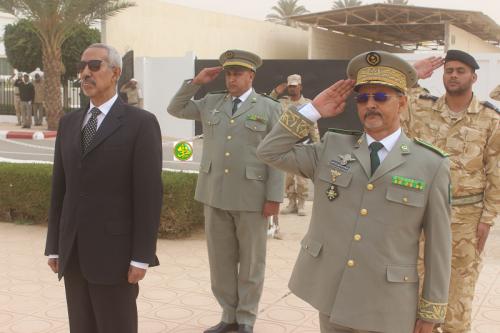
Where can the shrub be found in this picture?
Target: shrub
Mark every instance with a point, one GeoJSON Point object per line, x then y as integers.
{"type": "Point", "coordinates": [25, 198]}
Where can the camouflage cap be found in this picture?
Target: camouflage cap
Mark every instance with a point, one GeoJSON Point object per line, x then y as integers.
{"type": "Point", "coordinates": [294, 80]}
{"type": "Point", "coordinates": [240, 58]}
{"type": "Point", "coordinates": [461, 56]}
{"type": "Point", "coordinates": [384, 68]}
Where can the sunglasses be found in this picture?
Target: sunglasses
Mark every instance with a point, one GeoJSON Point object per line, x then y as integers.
{"type": "Point", "coordinates": [94, 65]}
{"type": "Point", "coordinates": [380, 97]}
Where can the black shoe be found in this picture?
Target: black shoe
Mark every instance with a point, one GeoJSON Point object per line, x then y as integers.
{"type": "Point", "coordinates": [243, 328]}
{"type": "Point", "coordinates": [223, 327]}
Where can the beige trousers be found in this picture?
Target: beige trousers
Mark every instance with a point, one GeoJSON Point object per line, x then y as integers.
{"type": "Point", "coordinates": [237, 255]}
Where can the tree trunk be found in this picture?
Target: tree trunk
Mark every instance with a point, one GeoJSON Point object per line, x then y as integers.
{"type": "Point", "coordinates": [52, 67]}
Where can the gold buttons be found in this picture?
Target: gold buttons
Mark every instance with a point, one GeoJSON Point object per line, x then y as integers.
{"type": "Point", "coordinates": [406, 278]}
{"type": "Point", "coordinates": [226, 170]}
{"type": "Point", "coordinates": [228, 153]}
{"type": "Point", "coordinates": [369, 187]}
{"type": "Point", "coordinates": [229, 137]}
{"type": "Point", "coordinates": [350, 263]}
{"type": "Point", "coordinates": [363, 212]}
{"type": "Point", "coordinates": [405, 199]}
{"type": "Point", "coordinates": [232, 121]}
{"type": "Point", "coordinates": [357, 237]}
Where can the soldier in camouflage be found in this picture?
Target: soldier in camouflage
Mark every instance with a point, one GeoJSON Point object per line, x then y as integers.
{"type": "Point", "coordinates": [468, 130]}
{"type": "Point", "coordinates": [495, 93]}
{"type": "Point", "coordinates": [295, 186]}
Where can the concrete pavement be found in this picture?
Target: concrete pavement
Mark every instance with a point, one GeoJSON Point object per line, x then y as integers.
{"type": "Point", "coordinates": [176, 296]}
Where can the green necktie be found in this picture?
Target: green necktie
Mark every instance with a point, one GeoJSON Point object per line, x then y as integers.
{"type": "Point", "coordinates": [374, 160]}
{"type": "Point", "coordinates": [236, 101]}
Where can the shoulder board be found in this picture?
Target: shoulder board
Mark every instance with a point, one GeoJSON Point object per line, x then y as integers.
{"type": "Point", "coordinates": [344, 131]}
{"type": "Point", "coordinates": [265, 95]}
{"type": "Point", "coordinates": [431, 147]}
{"type": "Point", "coordinates": [490, 106]}
{"type": "Point", "coordinates": [218, 92]}
{"type": "Point", "coordinates": [428, 97]}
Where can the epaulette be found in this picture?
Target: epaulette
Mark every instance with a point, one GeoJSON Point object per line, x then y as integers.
{"type": "Point", "coordinates": [344, 131]}
{"type": "Point", "coordinates": [265, 95]}
{"type": "Point", "coordinates": [428, 97]}
{"type": "Point", "coordinates": [490, 106]}
{"type": "Point", "coordinates": [431, 147]}
{"type": "Point", "coordinates": [218, 92]}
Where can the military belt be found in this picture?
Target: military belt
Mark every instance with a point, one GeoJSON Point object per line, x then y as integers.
{"type": "Point", "coordinates": [467, 199]}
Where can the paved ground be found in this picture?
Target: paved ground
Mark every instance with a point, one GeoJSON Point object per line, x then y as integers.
{"type": "Point", "coordinates": [176, 296]}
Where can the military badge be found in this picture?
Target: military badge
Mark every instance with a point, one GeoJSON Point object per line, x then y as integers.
{"type": "Point", "coordinates": [346, 158]}
{"type": "Point", "coordinates": [229, 54]}
{"type": "Point", "coordinates": [338, 165]}
{"type": "Point", "coordinates": [404, 149]}
{"type": "Point", "coordinates": [373, 58]}
{"type": "Point", "coordinates": [334, 174]}
{"type": "Point", "coordinates": [257, 118]}
{"type": "Point", "coordinates": [214, 111]}
{"type": "Point", "coordinates": [331, 192]}
{"type": "Point", "coordinates": [408, 182]}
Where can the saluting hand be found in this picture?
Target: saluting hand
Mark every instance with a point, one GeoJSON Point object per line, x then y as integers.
{"type": "Point", "coordinates": [331, 101]}
{"type": "Point", "coordinates": [280, 88]}
{"type": "Point", "coordinates": [207, 75]}
{"type": "Point", "coordinates": [427, 66]}
{"type": "Point", "coordinates": [135, 274]}
{"type": "Point", "coordinates": [422, 326]}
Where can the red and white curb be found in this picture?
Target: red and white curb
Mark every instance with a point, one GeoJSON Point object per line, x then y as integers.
{"type": "Point", "coordinates": [37, 135]}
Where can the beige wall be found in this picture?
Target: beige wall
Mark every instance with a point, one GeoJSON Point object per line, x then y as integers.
{"type": "Point", "coordinates": [457, 38]}
{"type": "Point", "coordinates": [329, 45]}
{"type": "Point", "coordinates": [158, 29]}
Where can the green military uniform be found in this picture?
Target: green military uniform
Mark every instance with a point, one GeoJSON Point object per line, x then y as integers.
{"type": "Point", "coordinates": [358, 261]}
{"type": "Point", "coordinates": [233, 185]}
{"type": "Point", "coordinates": [472, 138]}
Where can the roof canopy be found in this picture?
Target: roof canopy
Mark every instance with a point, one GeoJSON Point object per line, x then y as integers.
{"type": "Point", "coordinates": [406, 26]}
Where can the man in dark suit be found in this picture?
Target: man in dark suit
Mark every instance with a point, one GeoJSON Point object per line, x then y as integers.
{"type": "Point", "coordinates": [106, 200]}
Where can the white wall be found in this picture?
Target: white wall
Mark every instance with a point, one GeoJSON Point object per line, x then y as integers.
{"type": "Point", "coordinates": [160, 78]}
{"type": "Point", "coordinates": [324, 44]}
{"type": "Point", "coordinates": [457, 38]}
{"type": "Point", "coordinates": [487, 74]}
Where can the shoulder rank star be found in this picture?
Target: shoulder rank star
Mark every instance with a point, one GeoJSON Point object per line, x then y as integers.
{"type": "Point", "coordinates": [346, 158]}
{"type": "Point", "coordinates": [334, 174]}
{"type": "Point", "coordinates": [331, 192]}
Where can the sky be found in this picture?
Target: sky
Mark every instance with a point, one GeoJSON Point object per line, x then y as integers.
{"type": "Point", "coordinates": [258, 9]}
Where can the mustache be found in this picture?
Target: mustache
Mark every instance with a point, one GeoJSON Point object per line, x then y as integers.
{"type": "Point", "coordinates": [88, 80]}
{"type": "Point", "coordinates": [372, 113]}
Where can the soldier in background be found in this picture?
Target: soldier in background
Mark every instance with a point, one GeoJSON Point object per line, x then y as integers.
{"type": "Point", "coordinates": [134, 93]}
{"type": "Point", "coordinates": [495, 93]}
{"type": "Point", "coordinates": [468, 130]}
{"type": "Point", "coordinates": [295, 185]}
{"type": "Point", "coordinates": [17, 76]}
{"type": "Point", "coordinates": [26, 95]}
{"type": "Point", "coordinates": [38, 113]}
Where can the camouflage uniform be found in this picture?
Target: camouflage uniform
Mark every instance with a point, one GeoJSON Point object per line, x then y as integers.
{"type": "Point", "coordinates": [472, 138]}
{"type": "Point", "coordinates": [296, 186]}
{"type": "Point", "coordinates": [495, 93]}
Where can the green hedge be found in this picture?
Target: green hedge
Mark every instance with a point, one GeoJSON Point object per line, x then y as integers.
{"type": "Point", "coordinates": [25, 198]}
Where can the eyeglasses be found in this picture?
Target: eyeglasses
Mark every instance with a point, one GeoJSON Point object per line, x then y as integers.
{"type": "Point", "coordinates": [380, 97]}
{"type": "Point", "coordinates": [94, 65]}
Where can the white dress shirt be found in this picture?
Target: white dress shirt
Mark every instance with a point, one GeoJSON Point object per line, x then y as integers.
{"type": "Point", "coordinates": [104, 108]}
{"type": "Point", "coordinates": [243, 97]}
{"type": "Point", "coordinates": [310, 112]}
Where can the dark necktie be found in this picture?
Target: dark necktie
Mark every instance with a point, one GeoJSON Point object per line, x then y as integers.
{"type": "Point", "coordinates": [374, 159]}
{"type": "Point", "coordinates": [236, 101]}
{"type": "Point", "coordinates": [90, 129]}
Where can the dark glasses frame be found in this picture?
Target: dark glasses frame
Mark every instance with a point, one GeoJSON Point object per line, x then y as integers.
{"type": "Point", "coordinates": [379, 97]}
{"type": "Point", "coordinates": [94, 65]}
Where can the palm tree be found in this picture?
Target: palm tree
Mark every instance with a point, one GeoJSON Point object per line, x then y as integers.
{"type": "Point", "coordinates": [346, 3]}
{"type": "Point", "coordinates": [397, 2]}
{"type": "Point", "coordinates": [54, 20]}
{"type": "Point", "coordinates": [283, 10]}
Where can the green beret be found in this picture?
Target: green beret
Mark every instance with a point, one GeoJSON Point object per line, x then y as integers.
{"type": "Point", "coordinates": [463, 57]}
{"type": "Point", "coordinates": [383, 68]}
{"type": "Point", "coordinates": [240, 58]}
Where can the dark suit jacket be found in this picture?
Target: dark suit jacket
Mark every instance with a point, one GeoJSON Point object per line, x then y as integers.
{"type": "Point", "coordinates": [108, 200]}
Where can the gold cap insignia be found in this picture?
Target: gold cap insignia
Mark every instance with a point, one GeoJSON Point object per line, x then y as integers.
{"type": "Point", "coordinates": [229, 54]}
{"type": "Point", "coordinates": [373, 58]}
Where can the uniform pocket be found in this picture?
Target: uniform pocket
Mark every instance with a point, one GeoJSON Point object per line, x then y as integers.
{"type": "Point", "coordinates": [311, 246]}
{"type": "Point", "coordinates": [405, 196]}
{"type": "Point", "coordinates": [256, 173]}
{"type": "Point", "coordinates": [402, 273]}
{"type": "Point", "coordinates": [255, 126]}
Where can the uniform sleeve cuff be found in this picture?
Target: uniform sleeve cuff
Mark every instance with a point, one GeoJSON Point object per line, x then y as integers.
{"type": "Point", "coordinates": [139, 264]}
{"type": "Point", "coordinates": [296, 123]}
{"type": "Point", "coordinates": [310, 112]}
{"type": "Point", "coordinates": [53, 256]}
{"type": "Point", "coordinates": [432, 312]}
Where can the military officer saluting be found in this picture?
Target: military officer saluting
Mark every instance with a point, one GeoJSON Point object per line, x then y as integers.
{"type": "Point", "coordinates": [374, 194]}
{"type": "Point", "coordinates": [238, 190]}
